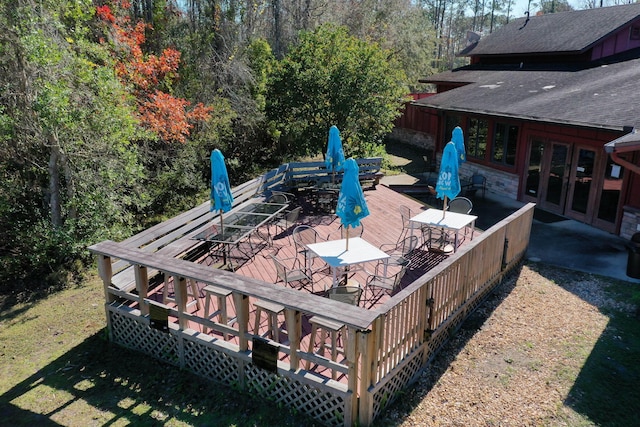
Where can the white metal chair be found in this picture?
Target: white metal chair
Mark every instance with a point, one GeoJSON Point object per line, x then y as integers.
{"type": "Point", "coordinates": [283, 224]}
{"type": "Point", "coordinates": [387, 275]}
{"type": "Point", "coordinates": [460, 205]}
{"type": "Point", "coordinates": [348, 294]}
{"type": "Point", "coordinates": [399, 252]}
{"type": "Point", "coordinates": [295, 273]}
{"type": "Point", "coordinates": [277, 197]}
{"type": "Point", "coordinates": [408, 227]}
{"type": "Point", "coordinates": [304, 235]}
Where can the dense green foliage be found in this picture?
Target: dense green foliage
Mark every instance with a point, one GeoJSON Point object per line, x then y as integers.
{"type": "Point", "coordinates": [109, 109]}
{"type": "Point", "coordinates": [330, 78]}
{"type": "Point", "coordinates": [70, 173]}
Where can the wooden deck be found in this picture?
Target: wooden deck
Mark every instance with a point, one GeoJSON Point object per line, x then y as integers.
{"type": "Point", "coordinates": [384, 342]}
{"type": "Point", "coordinates": [382, 226]}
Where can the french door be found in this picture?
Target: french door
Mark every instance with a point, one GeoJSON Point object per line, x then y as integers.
{"type": "Point", "coordinates": [546, 182]}
{"type": "Point", "coordinates": [576, 181]}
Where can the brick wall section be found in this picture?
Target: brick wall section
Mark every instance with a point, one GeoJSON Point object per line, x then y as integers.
{"type": "Point", "coordinates": [630, 222]}
{"type": "Point", "coordinates": [498, 182]}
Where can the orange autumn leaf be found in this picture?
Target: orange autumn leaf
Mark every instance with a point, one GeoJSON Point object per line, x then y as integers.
{"type": "Point", "coordinates": [158, 111]}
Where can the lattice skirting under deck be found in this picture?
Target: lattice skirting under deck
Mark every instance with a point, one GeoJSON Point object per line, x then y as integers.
{"type": "Point", "coordinates": [328, 402]}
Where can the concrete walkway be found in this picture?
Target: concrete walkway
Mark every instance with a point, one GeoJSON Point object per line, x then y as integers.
{"type": "Point", "coordinates": [554, 240]}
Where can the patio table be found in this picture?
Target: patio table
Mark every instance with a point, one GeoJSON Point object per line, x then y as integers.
{"type": "Point", "coordinates": [450, 220]}
{"type": "Point", "coordinates": [335, 253]}
{"type": "Point", "coordinates": [239, 225]}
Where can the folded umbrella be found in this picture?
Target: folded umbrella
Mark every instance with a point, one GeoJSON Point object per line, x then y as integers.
{"type": "Point", "coordinates": [334, 159]}
{"type": "Point", "coordinates": [448, 184]}
{"type": "Point", "coordinates": [352, 206]}
{"type": "Point", "coordinates": [221, 197]}
{"type": "Point", "coordinates": [458, 140]}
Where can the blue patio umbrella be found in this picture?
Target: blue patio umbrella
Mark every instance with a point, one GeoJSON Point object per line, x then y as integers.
{"type": "Point", "coordinates": [458, 139]}
{"type": "Point", "coordinates": [334, 160]}
{"type": "Point", "coordinates": [448, 185]}
{"type": "Point", "coordinates": [221, 197]}
{"type": "Point", "coordinates": [352, 206]}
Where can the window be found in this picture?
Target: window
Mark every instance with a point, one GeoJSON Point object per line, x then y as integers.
{"type": "Point", "coordinates": [450, 123]}
{"type": "Point", "coordinates": [505, 142]}
{"type": "Point", "coordinates": [477, 138]}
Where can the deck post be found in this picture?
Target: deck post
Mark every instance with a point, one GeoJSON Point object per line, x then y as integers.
{"type": "Point", "coordinates": [294, 330]}
{"type": "Point", "coordinates": [242, 316]}
{"type": "Point", "coordinates": [142, 285]}
{"type": "Point", "coordinates": [106, 273]}
{"type": "Point", "coordinates": [368, 352]}
{"type": "Point", "coordinates": [353, 350]}
{"type": "Point", "coordinates": [180, 288]}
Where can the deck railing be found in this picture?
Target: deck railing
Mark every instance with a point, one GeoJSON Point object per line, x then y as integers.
{"type": "Point", "coordinates": [414, 324]}
{"type": "Point", "coordinates": [385, 349]}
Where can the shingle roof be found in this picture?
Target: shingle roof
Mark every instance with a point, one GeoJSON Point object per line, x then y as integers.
{"type": "Point", "coordinates": [626, 143]}
{"type": "Point", "coordinates": [605, 96]}
{"type": "Point", "coordinates": [563, 32]}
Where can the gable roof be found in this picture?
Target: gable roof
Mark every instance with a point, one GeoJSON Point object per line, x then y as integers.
{"type": "Point", "coordinates": [571, 32]}
{"type": "Point", "coordinates": [604, 96]}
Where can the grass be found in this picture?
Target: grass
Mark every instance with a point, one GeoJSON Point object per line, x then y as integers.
{"type": "Point", "coordinates": [607, 389]}
{"type": "Point", "coordinates": [58, 368]}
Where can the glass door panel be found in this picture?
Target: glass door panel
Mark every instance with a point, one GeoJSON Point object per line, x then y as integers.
{"type": "Point", "coordinates": [532, 185]}
{"type": "Point", "coordinates": [610, 195]}
{"type": "Point", "coordinates": [556, 189]}
{"type": "Point", "coordinates": [582, 178]}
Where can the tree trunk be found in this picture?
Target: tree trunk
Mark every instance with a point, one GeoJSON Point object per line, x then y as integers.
{"type": "Point", "coordinates": [70, 187]}
{"type": "Point", "coordinates": [277, 29]}
{"type": "Point", "coordinates": [54, 182]}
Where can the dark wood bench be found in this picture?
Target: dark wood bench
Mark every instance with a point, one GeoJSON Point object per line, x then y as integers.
{"type": "Point", "coordinates": [370, 170]}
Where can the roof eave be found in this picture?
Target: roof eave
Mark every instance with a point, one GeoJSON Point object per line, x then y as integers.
{"type": "Point", "coordinates": [625, 144]}
{"type": "Point", "coordinates": [522, 117]}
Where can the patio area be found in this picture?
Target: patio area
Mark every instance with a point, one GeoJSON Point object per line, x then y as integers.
{"type": "Point", "coordinates": [382, 227]}
{"type": "Point", "coordinates": [337, 361]}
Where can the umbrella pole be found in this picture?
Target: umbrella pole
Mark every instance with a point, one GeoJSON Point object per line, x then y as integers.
{"type": "Point", "coordinates": [224, 251]}
{"type": "Point", "coordinates": [347, 237]}
{"type": "Point", "coordinates": [444, 206]}
{"type": "Point", "coordinates": [346, 269]}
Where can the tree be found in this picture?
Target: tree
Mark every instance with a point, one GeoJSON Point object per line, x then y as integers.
{"type": "Point", "coordinates": [150, 77]}
{"type": "Point", "coordinates": [331, 78]}
{"type": "Point", "coordinates": [69, 172]}
{"type": "Point", "coordinates": [553, 6]}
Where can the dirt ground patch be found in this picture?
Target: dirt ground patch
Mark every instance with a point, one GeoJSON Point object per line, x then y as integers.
{"type": "Point", "coordinates": [515, 361]}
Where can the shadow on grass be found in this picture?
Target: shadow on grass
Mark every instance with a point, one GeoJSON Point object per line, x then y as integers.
{"type": "Point", "coordinates": [607, 390]}
{"type": "Point", "coordinates": [126, 387]}
{"type": "Point", "coordinates": [413, 395]}
{"type": "Point", "coordinates": [413, 163]}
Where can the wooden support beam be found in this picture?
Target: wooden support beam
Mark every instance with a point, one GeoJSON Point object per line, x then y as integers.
{"type": "Point", "coordinates": [242, 317]}
{"type": "Point", "coordinates": [368, 352]}
{"type": "Point", "coordinates": [293, 319]}
{"type": "Point", "coordinates": [142, 285]}
{"type": "Point", "coordinates": [180, 289]}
